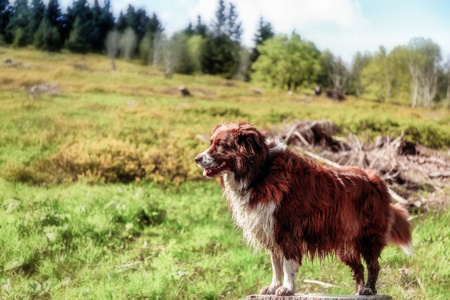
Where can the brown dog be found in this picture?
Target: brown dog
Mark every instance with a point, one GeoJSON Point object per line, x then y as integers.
{"type": "Point", "coordinates": [294, 207]}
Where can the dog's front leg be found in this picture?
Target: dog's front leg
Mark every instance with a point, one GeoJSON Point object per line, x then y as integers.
{"type": "Point", "coordinates": [277, 269]}
{"type": "Point", "coordinates": [290, 269]}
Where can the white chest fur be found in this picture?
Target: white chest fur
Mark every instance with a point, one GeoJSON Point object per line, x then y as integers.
{"type": "Point", "coordinates": [256, 222]}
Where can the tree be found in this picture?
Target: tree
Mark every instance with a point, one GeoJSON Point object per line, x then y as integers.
{"type": "Point", "coordinates": [200, 28]}
{"type": "Point", "coordinates": [263, 33]}
{"type": "Point", "coordinates": [399, 75]}
{"type": "Point", "coordinates": [145, 49]}
{"type": "Point", "coordinates": [334, 73]}
{"type": "Point", "coordinates": [37, 11]}
{"type": "Point", "coordinates": [195, 46]}
{"type": "Point", "coordinates": [53, 13]}
{"type": "Point", "coordinates": [423, 63]}
{"type": "Point", "coordinates": [47, 36]}
{"type": "Point", "coordinates": [128, 43]}
{"type": "Point", "coordinates": [287, 63]}
{"type": "Point", "coordinates": [360, 61]}
{"type": "Point", "coordinates": [218, 25]}
{"type": "Point", "coordinates": [375, 77]}
{"type": "Point", "coordinates": [153, 29]}
{"type": "Point", "coordinates": [77, 26]}
{"type": "Point", "coordinates": [18, 23]}
{"type": "Point", "coordinates": [221, 50]}
{"type": "Point", "coordinates": [121, 24]}
{"type": "Point", "coordinates": [101, 22]}
{"type": "Point", "coordinates": [5, 15]}
{"type": "Point", "coordinates": [78, 41]}
{"type": "Point", "coordinates": [233, 26]}
{"type": "Point", "coordinates": [112, 46]}
{"type": "Point", "coordinates": [176, 55]}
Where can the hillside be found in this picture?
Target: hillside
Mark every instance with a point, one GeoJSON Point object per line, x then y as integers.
{"type": "Point", "coordinates": [101, 197]}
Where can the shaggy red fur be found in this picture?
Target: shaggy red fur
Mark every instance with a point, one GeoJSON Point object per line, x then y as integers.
{"type": "Point", "coordinates": [294, 207]}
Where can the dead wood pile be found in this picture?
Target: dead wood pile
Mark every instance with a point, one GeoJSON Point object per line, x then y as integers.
{"type": "Point", "coordinates": [410, 170]}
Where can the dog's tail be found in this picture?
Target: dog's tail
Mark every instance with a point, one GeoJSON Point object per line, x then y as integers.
{"type": "Point", "coordinates": [400, 232]}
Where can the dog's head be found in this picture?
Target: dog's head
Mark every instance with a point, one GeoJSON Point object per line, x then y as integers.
{"type": "Point", "coordinates": [237, 148]}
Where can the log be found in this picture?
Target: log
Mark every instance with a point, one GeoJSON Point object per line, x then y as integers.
{"type": "Point", "coordinates": [317, 297]}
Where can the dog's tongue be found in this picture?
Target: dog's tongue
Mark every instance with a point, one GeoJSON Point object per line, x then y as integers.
{"type": "Point", "coordinates": [205, 172]}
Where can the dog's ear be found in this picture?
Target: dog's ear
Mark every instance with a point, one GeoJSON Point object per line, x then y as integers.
{"type": "Point", "coordinates": [250, 138]}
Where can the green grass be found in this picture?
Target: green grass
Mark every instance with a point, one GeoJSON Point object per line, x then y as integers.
{"type": "Point", "coordinates": [71, 228]}
{"type": "Point", "coordinates": [80, 241]}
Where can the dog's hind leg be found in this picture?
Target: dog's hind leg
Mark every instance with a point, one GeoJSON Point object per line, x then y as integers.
{"type": "Point", "coordinates": [277, 269]}
{"type": "Point", "coordinates": [354, 262]}
{"type": "Point", "coordinates": [373, 268]}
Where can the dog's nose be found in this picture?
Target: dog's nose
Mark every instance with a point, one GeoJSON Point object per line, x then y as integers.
{"type": "Point", "coordinates": [198, 158]}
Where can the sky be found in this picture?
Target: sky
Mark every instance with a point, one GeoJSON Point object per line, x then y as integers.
{"type": "Point", "coordinates": [342, 26]}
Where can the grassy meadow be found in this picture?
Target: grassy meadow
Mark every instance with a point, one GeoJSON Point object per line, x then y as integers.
{"type": "Point", "coordinates": [100, 197]}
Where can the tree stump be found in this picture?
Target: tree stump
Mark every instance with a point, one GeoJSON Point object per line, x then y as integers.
{"type": "Point", "coordinates": [317, 297]}
{"type": "Point", "coordinates": [184, 91]}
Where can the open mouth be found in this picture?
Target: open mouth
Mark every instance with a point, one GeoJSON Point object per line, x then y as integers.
{"type": "Point", "coordinates": [211, 172]}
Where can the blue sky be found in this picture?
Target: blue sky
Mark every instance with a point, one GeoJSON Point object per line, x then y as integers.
{"type": "Point", "coordinates": [342, 26]}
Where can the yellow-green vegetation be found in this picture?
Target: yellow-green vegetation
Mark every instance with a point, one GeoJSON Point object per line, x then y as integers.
{"type": "Point", "coordinates": [100, 197]}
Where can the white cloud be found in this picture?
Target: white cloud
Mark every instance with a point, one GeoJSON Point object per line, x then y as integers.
{"type": "Point", "coordinates": [327, 19]}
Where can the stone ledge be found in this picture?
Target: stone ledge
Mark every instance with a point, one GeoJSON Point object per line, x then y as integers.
{"type": "Point", "coordinates": [317, 297]}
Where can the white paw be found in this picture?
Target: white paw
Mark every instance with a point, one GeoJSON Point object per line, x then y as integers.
{"type": "Point", "coordinates": [269, 290]}
{"type": "Point", "coordinates": [284, 291]}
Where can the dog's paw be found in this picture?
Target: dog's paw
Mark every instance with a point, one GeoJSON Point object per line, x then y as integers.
{"type": "Point", "coordinates": [284, 291]}
{"type": "Point", "coordinates": [367, 291]}
{"type": "Point", "coordinates": [269, 290]}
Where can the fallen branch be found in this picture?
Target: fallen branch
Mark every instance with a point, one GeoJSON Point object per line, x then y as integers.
{"type": "Point", "coordinates": [301, 138]}
{"type": "Point", "coordinates": [317, 157]}
{"type": "Point", "coordinates": [320, 282]}
{"type": "Point", "coordinates": [439, 175]}
{"type": "Point", "coordinates": [136, 263]}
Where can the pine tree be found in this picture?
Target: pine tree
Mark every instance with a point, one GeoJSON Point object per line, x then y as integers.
{"type": "Point", "coordinates": [16, 29]}
{"type": "Point", "coordinates": [81, 11]}
{"type": "Point", "coordinates": [233, 27]}
{"type": "Point", "coordinates": [5, 15]}
{"type": "Point", "coordinates": [53, 13]}
{"type": "Point", "coordinates": [37, 11]}
{"type": "Point", "coordinates": [132, 18]}
{"type": "Point", "coordinates": [77, 41]}
{"type": "Point", "coordinates": [142, 22]}
{"type": "Point", "coordinates": [221, 50]}
{"type": "Point", "coordinates": [263, 33]}
{"type": "Point", "coordinates": [96, 37]}
{"type": "Point", "coordinates": [153, 30]}
{"type": "Point", "coordinates": [121, 22]}
{"type": "Point", "coordinates": [200, 28]}
{"type": "Point", "coordinates": [47, 36]}
{"type": "Point", "coordinates": [218, 25]}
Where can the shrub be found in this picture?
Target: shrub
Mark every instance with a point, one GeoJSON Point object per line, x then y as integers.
{"type": "Point", "coordinates": [110, 160]}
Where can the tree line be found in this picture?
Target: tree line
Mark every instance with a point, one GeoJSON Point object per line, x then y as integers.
{"type": "Point", "coordinates": [414, 73]}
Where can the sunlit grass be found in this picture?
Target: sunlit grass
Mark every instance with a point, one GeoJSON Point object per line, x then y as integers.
{"type": "Point", "coordinates": [119, 241]}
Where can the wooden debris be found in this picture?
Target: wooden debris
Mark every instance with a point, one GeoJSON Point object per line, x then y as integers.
{"type": "Point", "coordinates": [406, 170]}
